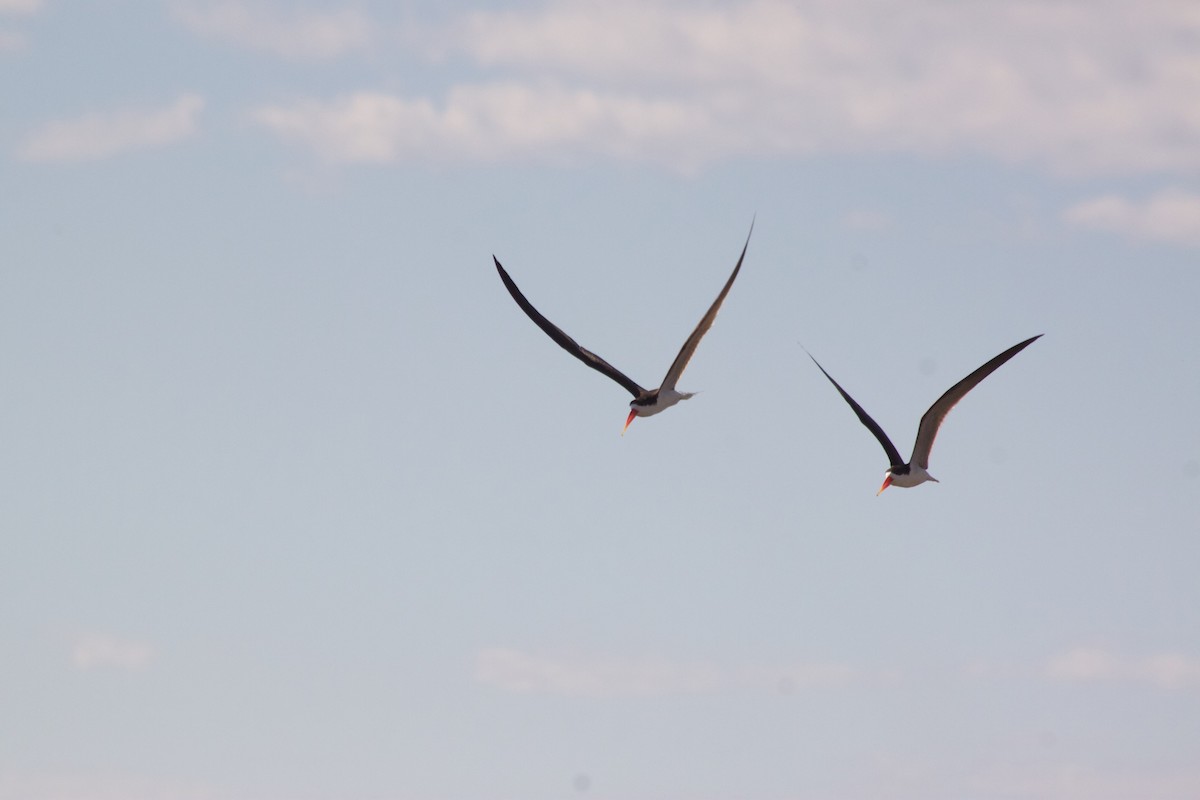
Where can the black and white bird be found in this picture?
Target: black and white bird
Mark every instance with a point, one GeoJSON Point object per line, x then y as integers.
{"type": "Point", "coordinates": [916, 471]}
{"type": "Point", "coordinates": [646, 402]}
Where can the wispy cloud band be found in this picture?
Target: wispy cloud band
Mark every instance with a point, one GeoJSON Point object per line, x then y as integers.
{"type": "Point", "coordinates": [97, 650]}
{"type": "Point", "coordinates": [1172, 216]}
{"type": "Point", "coordinates": [20, 6]}
{"type": "Point", "coordinates": [488, 123]}
{"type": "Point", "coordinates": [299, 34]}
{"type": "Point", "coordinates": [1078, 86]}
{"type": "Point", "coordinates": [1096, 665]}
{"type": "Point", "coordinates": [529, 673]}
{"type": "Point", "coordinates": [101, 135]}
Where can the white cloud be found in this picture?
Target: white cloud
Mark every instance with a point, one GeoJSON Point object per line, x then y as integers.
{"type": "Point", "coordinates": [93, 650]}
{"type": "Point", "coordinates": [292, 34]}
{"type": "Point", "coordinates": [98, 136]}
{"type": "Point", "coordinates": [20, 6]}
{"type": "Point", "coordinates": [1083, 85]}
{"type": "Point", "coordinates": [1092, 665]}
{"type": "Point", "coordinates": [663, 43]}
{"type": "Point", "coordinates": [519, 672]}
{"type": "Point", "coordinates": [1083, 664]}
{"type": "Point", "coordinates": [1169, 670]}
{"type": "Point", "coordinates": [493, 122]}
{"type": "Point", "coordinates": [1171, 215]}
{"type": "Point", "coordinates": [525, 673]}
{"type": "Point", "coordinates": [1099, 86]}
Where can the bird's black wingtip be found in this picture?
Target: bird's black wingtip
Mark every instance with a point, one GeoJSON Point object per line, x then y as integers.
{"type": "Point", "coordinates": [810, 355]}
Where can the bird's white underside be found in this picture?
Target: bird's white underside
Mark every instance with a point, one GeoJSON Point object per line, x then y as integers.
{"type": "Point", "coordinates": [666, 399]}
{"type": "Point", "coordinates": [915, 477]}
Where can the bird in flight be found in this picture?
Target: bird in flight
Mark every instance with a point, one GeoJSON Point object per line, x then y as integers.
{"type": "Point", "coordinates": [915, 472]}
{"type": "Point", "coordinates": [646, 402]}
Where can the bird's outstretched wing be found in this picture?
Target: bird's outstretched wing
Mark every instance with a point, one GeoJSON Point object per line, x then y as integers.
{"type": "Point", "coordinates": [893, 454]}
{"type": "Point", "coordinates": [932, 419]}
{"type": "Point", "coordinates": [566, 342]}
{"type": "Point", "coordinates": [693, 341]}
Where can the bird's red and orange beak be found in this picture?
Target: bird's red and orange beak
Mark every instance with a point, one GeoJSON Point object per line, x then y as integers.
{"type": "Point", "coordinates": [629, 419]}
{"type": "Point", "coordinates": [886, 483]}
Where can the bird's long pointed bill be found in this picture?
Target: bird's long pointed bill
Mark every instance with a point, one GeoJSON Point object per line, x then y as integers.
{"type": "Point", "coordinates": [886, 483]}
{"type": "Point", "coordinates": [628, 420]}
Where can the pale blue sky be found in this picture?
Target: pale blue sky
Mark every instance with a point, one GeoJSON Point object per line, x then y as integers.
{"type": "Point", "coordinates": [298, 505]}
